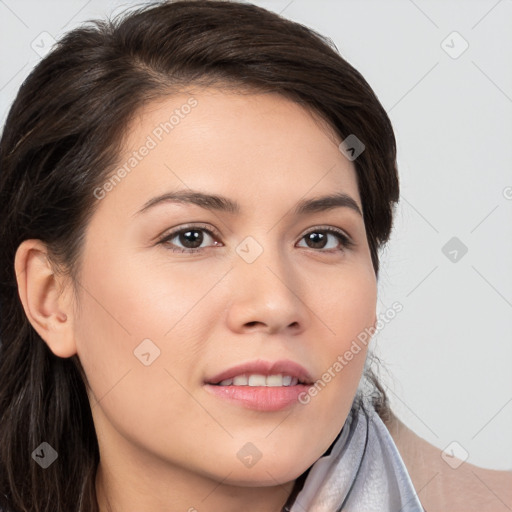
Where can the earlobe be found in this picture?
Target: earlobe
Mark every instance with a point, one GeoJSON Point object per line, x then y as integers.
{"type": "Point", "coordinates": [47, 308]}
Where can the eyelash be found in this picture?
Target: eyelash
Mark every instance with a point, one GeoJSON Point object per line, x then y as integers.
{"type": "Point", "coordinates": [345, 241]}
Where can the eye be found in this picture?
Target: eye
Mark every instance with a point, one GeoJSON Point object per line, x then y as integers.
{"type": "Point", "coordinates": [191, 238]}
{"type": "Point", "coordinates": [318, 239]}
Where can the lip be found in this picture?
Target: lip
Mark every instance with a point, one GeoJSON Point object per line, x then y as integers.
{"type": "Point", "coordinates": [261, 398]}
{"type": "Point", "coordinates": [285, 367]}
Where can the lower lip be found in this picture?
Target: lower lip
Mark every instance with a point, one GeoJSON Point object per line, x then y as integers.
{"type": "Point", "coordinates": [260, 398]}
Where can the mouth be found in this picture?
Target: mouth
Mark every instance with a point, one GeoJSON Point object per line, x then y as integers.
{"type": "Point", "coordinates": [256, 380]}
{"type": "Point", "coordinates": [261, 385]}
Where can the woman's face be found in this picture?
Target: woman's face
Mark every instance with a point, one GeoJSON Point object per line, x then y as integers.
{"type": "Point", "coordinates": [163, 315]}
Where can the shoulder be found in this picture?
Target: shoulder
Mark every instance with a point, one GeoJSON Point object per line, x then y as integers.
{"type": "Point", "coordinates": [442, 486]}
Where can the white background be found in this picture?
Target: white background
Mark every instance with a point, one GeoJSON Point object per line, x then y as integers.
{"type": "Point", "coordinates": [448, 354]}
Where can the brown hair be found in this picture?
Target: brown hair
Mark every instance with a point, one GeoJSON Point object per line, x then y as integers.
{"type": "Point", "coordinates": [61, 140]}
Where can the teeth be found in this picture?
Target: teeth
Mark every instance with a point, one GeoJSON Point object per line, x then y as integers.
{"type": "Point", "coordinates": [261, 380]}
{"type": "Point", "coordinates": [240, 380]}
{"type": "Point", "coordinates": [257, 380]}
{"type": "Point", "coordinates": [287, 380]}
{"type": "Point", "coordinates": [274, 380]}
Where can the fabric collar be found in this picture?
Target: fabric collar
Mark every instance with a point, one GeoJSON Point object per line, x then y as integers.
{"type": "Point", "coordinates": [362, 472]}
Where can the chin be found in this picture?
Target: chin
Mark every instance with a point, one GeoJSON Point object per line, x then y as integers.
{"type": "Point", "coordinates": [268, 473]}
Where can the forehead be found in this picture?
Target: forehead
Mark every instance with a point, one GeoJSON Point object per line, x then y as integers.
{"type": "Point", "coordinates": [255, 146]}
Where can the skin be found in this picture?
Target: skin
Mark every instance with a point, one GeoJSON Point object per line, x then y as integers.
{"type": "Point", "coordinates": [440, 486]}
{"type": "Point", "coordinates": [165, 442]}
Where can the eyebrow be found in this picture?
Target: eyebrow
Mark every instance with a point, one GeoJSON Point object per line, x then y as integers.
{"type": "Point", "coordinates": [224, 204]}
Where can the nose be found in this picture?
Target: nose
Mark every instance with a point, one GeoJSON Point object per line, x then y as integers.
{"type": "Point", "coordinates": [268, 296]}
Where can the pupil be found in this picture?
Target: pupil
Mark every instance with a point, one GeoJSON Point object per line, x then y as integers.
{"type": "Point", "coordinates": [192, 237]}
{"type": "Point", "coordinates": [317, 238]}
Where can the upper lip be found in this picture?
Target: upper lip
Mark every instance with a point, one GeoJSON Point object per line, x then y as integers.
{"type": "Point", "coordinates": [260, 367]}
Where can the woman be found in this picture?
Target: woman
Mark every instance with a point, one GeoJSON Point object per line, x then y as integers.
{"type": "Point", "coordinates": [192, 202]}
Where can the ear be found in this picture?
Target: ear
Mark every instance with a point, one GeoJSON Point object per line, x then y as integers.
{"type": "Point", "coordinates": [46, 299]}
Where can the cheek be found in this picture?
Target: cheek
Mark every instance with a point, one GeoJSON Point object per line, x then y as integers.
{"type": "Point", "coordinates": [347, 312]}
{"type": "Point", "coordinates": [121, 326]}
{"type": "Point", "coordinates": [116, 315]}
{"type": "Point", "coordinates": [347, 307]}
{"type": "Point", "coordinates": [133, 313]}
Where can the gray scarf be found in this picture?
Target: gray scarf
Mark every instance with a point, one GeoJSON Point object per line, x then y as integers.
{"type": "Point", "coordinates": [362, 472]}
